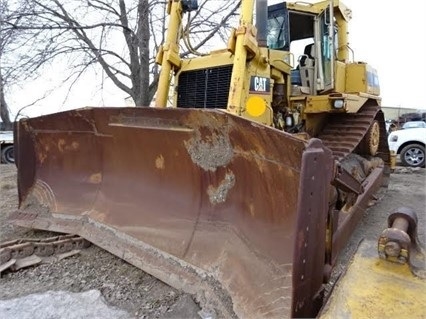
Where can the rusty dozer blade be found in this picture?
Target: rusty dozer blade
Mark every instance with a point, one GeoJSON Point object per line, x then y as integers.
{"type": "Point", "coordinates": [210, 203]}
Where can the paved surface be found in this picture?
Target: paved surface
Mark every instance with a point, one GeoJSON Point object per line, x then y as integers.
{"type": "Point", "coordinates": [60, 304]}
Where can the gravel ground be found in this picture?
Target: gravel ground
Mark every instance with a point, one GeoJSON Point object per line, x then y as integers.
{"type": "Point", "coordinates": [126, 287]}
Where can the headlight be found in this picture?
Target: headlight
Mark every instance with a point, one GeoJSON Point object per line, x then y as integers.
{"type": "Point", "coordinates": [338, 104]}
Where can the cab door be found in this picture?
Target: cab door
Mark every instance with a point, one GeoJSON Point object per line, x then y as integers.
{"type": "Point", "coordinates": [325, 36]}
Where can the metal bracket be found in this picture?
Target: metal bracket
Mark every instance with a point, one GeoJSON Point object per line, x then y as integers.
{"type": "Point", "coordinates": [345, 181]}
{"type": "Point", "coordinates": [399, 242]}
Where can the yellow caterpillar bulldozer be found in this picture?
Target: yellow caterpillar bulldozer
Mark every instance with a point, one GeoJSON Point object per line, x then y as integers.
{"type": "Point", "coordinates": [245, 190]}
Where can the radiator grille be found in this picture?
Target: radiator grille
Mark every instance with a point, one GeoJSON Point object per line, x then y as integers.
{"type": "Point", "coordinates": [205, 88]}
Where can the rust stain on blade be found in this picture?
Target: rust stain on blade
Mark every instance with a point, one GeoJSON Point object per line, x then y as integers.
{"type": "Point", "coordinates": [61, 145]}
{"type": "Point", "coordinates": [42, 195]}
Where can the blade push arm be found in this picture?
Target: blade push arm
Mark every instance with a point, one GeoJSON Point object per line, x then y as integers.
{"type": "Point", "coordinates": [168, 54]}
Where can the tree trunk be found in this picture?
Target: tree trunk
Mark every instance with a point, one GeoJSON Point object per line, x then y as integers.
{"type": "Point", "coordinates": [144, 35]}
{"type": "Point", "coordinates": [4, 110]}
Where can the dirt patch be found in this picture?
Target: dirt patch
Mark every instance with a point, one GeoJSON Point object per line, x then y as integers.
{"type": "Point", "coordinates": [210, 152]}
{"type": "Point", "coordinates": [218, 195]}
{"type": "Point", "coordinates": [127, 287]}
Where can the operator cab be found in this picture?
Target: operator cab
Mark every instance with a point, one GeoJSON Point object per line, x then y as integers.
{"type": "Point", "coordinates": [306, 36]}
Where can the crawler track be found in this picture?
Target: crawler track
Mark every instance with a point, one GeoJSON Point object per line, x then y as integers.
{"type": "Point", "coordinates": [344, 132]}
{"type": "Point", "coordinates": [25, 252]}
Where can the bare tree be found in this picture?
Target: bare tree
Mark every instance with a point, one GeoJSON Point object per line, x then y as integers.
{"type": "Point", "coordinates": [23, 52]}
{"type": "Point", "coordinates": [6, 38]}
{"type": "Point", "coordinates": [119, 36]}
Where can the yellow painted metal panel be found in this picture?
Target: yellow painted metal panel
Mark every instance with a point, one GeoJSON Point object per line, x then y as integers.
{"type": "Point", "coordinates": [375, 288]}
{"type": "Point", "coordinates": [318, 104]}
{"type": "Point", "coordinates": [218, 59]}
{"type": "Point", "coordinates": [361, 78]}
{"type": "Point", "coordinates": [340, 76]}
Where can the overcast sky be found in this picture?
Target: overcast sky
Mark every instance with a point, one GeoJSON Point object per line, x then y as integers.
{"type": "Point", "coordinates": [385, 34]}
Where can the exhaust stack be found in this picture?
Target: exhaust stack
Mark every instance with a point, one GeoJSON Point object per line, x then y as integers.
{"type": "Point", "coordinates": [261, 22]}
